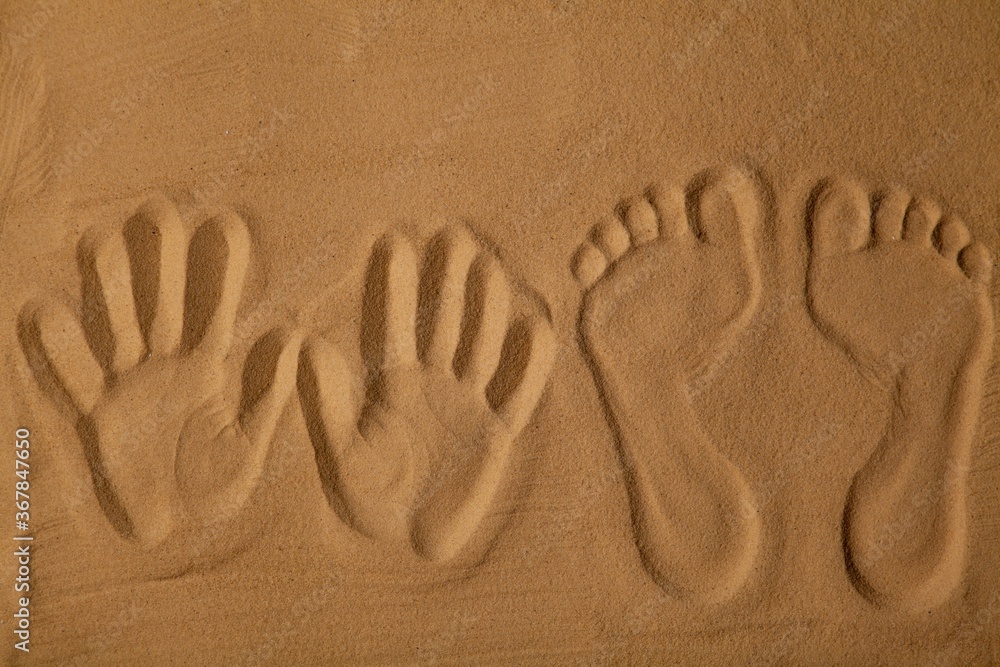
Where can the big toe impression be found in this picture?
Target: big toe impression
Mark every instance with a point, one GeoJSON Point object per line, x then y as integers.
{"type": "Point", "coordinates": [841, 219]}
{"type": "Point", "coordinates": [728, 209]}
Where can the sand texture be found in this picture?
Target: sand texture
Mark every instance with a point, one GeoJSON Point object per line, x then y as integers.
{"type": "Point", "coordinates": [548, 333]}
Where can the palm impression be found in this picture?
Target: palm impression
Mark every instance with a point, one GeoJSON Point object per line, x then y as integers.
{"type": "Point", "coordinates": [143, 371]}
{"type": "Point", "coordinates": [453, 376]}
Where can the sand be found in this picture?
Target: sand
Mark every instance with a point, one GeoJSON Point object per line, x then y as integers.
{"type": "Point", "coordinates": [559, 333]}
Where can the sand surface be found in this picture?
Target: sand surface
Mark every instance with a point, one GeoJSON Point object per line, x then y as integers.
{"type": "Point", "coordinates": [566, 332]}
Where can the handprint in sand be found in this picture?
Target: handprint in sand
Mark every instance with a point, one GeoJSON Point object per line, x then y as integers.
{"type": "Point", "coordinates": [902, 289]}
{"type": "Point", "coordinates": [668, 287]}
{"type": "Point", "coordinates": [144, 371]}
{"type": "Point", "coordinates": [454, 373]}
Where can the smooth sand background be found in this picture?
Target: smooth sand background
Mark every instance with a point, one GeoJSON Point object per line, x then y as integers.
{"type": "Point", "coordinates": [326, 125]}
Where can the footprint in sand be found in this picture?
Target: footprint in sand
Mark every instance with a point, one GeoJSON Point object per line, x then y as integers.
{"type": "Point", "coordinates": [904, 293]}
{"type": "Point", "coordinates": [143, 372]}
{"type": "Point", "coordinates": [452, 379]}
{"type": "Point", "coordinates": [668, 288]}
